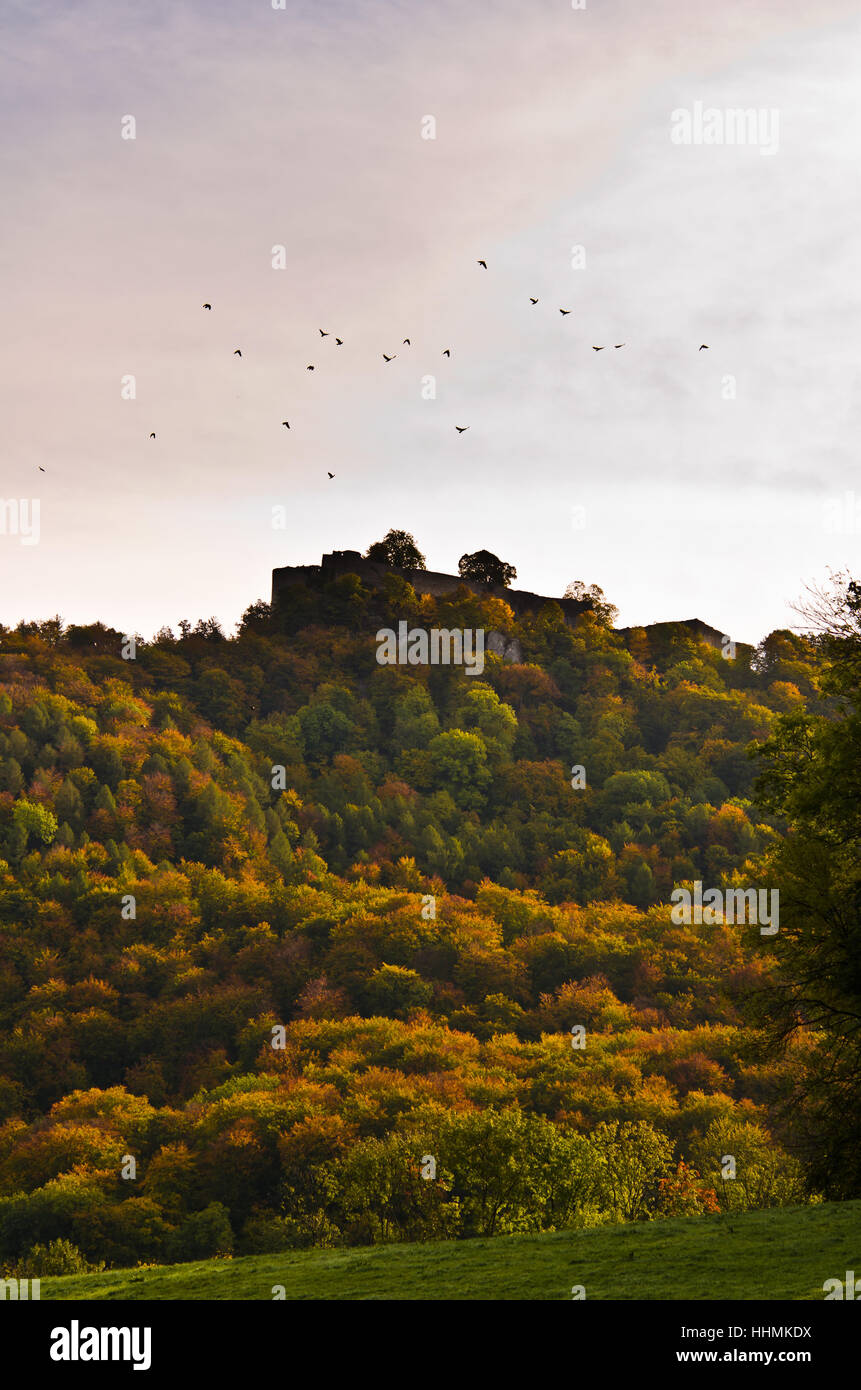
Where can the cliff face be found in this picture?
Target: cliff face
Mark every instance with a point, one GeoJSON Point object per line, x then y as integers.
{"type": "Point", "coordinates": [423, 581]}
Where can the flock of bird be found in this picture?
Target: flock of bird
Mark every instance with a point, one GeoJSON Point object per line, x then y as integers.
{"type": "Point", "coordinates": [390, 357]}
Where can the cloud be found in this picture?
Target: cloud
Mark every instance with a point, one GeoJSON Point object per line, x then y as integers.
{"type": "Point", "coordinates": [258, 127]}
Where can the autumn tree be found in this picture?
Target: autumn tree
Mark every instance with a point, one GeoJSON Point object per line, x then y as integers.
{"type": "Point", "coordinates": [604, 612]}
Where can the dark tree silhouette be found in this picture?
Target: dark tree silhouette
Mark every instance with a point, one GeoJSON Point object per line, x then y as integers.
{"type": "Point", "coordinates": [397, 548]}
{"type": "Point", "coordinates": [605, 612]}
{"type": "Point", "coordinates": [485, 568]}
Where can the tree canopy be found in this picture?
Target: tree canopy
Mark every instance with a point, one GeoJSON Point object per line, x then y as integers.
{"type": "Point", "coordinates": [397, 548]}
{"type": "Point", "coordinates": [811, 777]}
{"type": "Point", "coordinates": [485, 568]}
{"type": "Point", "coordinates": [279, 923]}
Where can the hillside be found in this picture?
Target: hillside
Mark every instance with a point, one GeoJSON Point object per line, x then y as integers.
{"type": "Point", "coordinates": [278, 923]}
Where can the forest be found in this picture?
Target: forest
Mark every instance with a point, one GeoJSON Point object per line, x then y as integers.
{"type": "Point", "coordinates": [297, 949]}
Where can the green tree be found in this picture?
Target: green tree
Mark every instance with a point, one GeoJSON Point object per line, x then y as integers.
{"type": "Point", "coordinates": [483, 567]}
{"type": "Point", "coordinates": [416, 720]}
{"type": "Point", "coordinates": [394, 991]}
{"type": "Point", "coordinates": [632, 1157]}
{"type": "Point", "coordinates": [202, 1235]}
{"type": "Point", "coordinates": [57, 1257]}
{"type": "Point", "coordinates": [37, 821]}
{"type": "Point", "coordinates": [382, 1195]}
{"type": "Point", "coordinates": [459, 762]}
{"type": "Point", "coordinates": [760, 1175]}
{"type": "Point", "coordinates": [811, 775]}
{"type": "Point", "coordinates": [397, 548]}
{"type": "Point", "coordinates": [583, 874]}
{"type": "Point", "coordinates": [483, 711]}
{"type": "Point", "coordinates": [11, 778]}
{"type": "Point", "coordinates": [512, 1171]}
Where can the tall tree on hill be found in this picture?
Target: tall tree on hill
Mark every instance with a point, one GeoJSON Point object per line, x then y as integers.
{"type": "Point", "coordinates": [605, 613]}
{"type": "Point", "coordinates": [397, 548]}
{"type": "Point", "coordinates": [812, 776]}
{"type": "Point", "coordinates": [483, 567]}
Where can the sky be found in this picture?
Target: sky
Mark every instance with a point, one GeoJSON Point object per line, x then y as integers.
{"type": "Point", "coordinates": [686, 483]}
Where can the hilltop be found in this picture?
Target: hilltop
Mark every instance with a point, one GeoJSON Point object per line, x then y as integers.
{"type": "Point", "coordinates": [435, 584]}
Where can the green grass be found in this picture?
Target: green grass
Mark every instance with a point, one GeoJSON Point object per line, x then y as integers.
{"type": "Point", "coordinates": [785, 1253]}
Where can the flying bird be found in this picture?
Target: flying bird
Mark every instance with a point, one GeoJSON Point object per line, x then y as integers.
{"type": "Point", "coordinates": [407, 342]}
{"type": "Point", "coordinates": [701, 346]}
{"type": "Point", "coordinates": [594, 349]}
{"type": "Point", "coordinates": [309, 369]}
{"type": "Point", "coordinates": [152, 436]}
{"type": "Point", "coordinates": [236, 352]}
{"type": "Point", "coordinates": [389, 359]}
{"type": "Point", "coordinates": [207, 306]}
{"type": "Point", "coordinates": [447, 352]}
{"type": "Point", "coordinates": [532, 301]}
{"type": "Point", "coordinates": [41, 469]}
{"type": "Point", "coordinates": [461, 429]}
{"type": "Point", "coordinates": [339, 342]}
{"type": "Point", "coordinates": [618, 345]}
{"type": "Point", "coordinates": [322, 334]}
{"type": "Point", "coordinates": [286, 422]}
{"type": "Point", "coordinates": [565, 311]}
{"type": "Point", "coordinates": [331, 475]}
{"type": "Point", "coordinates": [484, 263]}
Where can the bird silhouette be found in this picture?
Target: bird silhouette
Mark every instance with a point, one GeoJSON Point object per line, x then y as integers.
{"type": "Point", "coordinates": [389, 359]}
{"type": "Point", "coordinates": [565, 311]}
{"type": "Point", "coordinates": [618, 345]}
{"type": "Point", "coordinates": [236, 352]}
{"type": "Point", "coordinates": [207, 306]}
{"type": "Point", "coordinates": [447, 352]}
{"type": "Point", "coordinates": [286, 422]}
{"type": "Point", "coordinates": [461, 429]}
{"type": "Point", "coordinates": [309, 369]}
{"type": "Point", "coordinates": [322, 334]}
{"type": "Point", "coordinates": [41, 469]}
{"type": "Point", "coordinates": [532, 301]}
{"type": "Point", "coordinates": [484, 263]}
{"type": "Point", "coordinates": [407, 342]}
{"type": "Point", "coordinates": [594, 349]}
{"type": "Point", "coordinates": [339, 342]}
{"type": "Point", "coordinates": [701, 346]}
{"type": "Point", "coordinates": [331, 475]}
{"type": "Point", "coordinates": [152, 436]}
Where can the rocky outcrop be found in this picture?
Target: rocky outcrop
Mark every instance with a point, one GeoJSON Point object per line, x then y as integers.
{"type": "Point", "coordinates": [508, 648]}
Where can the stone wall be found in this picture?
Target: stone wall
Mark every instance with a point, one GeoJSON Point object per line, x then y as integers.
{"type": "Point", "coordinates": [432, 582]}
{"type": "Point", "coordinates": [423, 581]}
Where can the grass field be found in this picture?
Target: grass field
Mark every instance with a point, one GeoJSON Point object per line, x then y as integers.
{"type": "Point", "coordinates": [782, 1254]}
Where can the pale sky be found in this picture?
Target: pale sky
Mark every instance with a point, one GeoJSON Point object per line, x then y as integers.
{"type": "Point", "coordinates": [302, 127]}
